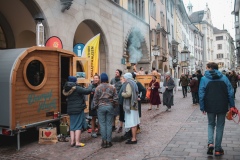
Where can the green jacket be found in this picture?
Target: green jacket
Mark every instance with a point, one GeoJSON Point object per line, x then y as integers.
{"type": "Point", "coordinates": [183, 81]}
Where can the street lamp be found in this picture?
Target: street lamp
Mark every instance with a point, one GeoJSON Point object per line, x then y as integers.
{"type": "Point", "coordinates": [185, 54]}
{"type": "Point", "coordinates": [156, 53]}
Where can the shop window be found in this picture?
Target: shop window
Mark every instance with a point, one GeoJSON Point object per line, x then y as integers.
{"type": "Point", "coordinates": [35, 73]}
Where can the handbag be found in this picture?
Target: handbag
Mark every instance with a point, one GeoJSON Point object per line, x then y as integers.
{"type": "Point", "coordinates": [48, 135]}
{"type": "Point", "coordinates": [233, 113]}
{"type": "Point", "coordinates": [148, 93]}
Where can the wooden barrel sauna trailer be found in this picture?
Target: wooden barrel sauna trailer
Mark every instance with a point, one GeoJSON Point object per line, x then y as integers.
{"type": "Point", "coordinates": [31, 82]}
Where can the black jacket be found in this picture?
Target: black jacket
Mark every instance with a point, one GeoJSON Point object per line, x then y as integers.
{"type": "Point", "coordinates": [75, 97]}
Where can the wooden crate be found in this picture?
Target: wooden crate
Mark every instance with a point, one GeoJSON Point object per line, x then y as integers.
{"type": "Point", "coordinates": [146, 79]}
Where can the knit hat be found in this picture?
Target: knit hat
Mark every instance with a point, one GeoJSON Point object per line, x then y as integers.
{"type": "Point", "coordinates": [104, 77]}
{"type": "Point", "coordinates": [133, 75]}
{"type": "Point", "coordinates": [128, 76]}
{"type": "Point", "coordinates": [120, 72]}
{"type": "Point", "coordinates": [72, 79]}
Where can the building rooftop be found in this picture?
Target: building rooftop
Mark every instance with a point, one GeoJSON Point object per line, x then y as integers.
{"type": "Point", "coordinates": [196, 17]}
{"type": "Point", "coordinates": [217, 31]}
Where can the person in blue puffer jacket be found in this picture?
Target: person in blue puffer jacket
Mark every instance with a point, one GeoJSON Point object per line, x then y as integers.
{"type": "Point", "coordinates": [215, 96]}
{"type": "Point", "coordinates": [75, 108]}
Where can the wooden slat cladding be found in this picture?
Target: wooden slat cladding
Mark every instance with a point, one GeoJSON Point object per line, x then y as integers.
{"type": "Point", "coordinates": [31, 105]}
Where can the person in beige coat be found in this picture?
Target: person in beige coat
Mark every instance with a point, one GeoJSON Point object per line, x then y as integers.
{"type": "Point", "coordinates": [130, 106]}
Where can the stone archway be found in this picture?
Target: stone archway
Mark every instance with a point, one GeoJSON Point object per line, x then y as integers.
{"type": "Point", "coordinates": [17, 18]}
{"type": "Point", "coordinates": [135, 47]}
{"type": "Point", "coordinates": [85, 31]}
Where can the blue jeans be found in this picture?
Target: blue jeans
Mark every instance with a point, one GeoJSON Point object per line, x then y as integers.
{"type": "Point", "coordinates": [217, 120]}
{"type": "Point", "coordinates": [105, 118]}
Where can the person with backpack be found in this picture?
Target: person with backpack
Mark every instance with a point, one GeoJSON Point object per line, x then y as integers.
{"type": "Point", "coordinates": [216, 95]}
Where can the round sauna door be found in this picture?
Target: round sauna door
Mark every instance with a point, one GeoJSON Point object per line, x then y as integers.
{"type": "Point", "coordinates": [35, 73]}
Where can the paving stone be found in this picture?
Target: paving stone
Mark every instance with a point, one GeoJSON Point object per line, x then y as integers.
{"type": "Point", "coordinates": [180, 134]}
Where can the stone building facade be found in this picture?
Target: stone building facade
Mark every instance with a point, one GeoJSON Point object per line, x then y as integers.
{"type": "Point", "coordinates": [77, 23]}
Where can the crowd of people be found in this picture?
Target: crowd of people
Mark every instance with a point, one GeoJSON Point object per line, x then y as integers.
{"type": "Point", "coordinates": [214, 92]}
{"type": "Point", "coordinates": [108, 99]}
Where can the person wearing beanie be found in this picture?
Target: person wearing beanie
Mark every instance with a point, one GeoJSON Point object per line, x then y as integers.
{"type": "Point", "coordinates": [117, 84]}
{"type": "Point", "coordinates": [194, 89]}
{"type": "Point", "coordinates": [75, 109]}
{"type": "Point", "coordinates": [105, 98]}
{"type": "Point", "coordinates": [104, 78]}
{"type": "Point", "coordinates": [130, 106]}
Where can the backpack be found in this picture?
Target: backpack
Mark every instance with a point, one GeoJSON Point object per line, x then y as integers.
{"type": "Point", "coordinates": [238, 77]}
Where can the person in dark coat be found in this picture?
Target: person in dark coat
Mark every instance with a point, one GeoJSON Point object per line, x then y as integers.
{"type": "Point", "coordinates": [199, 76]}
{"type": "Point", "coordinates": [154, 95]}
{"type": "Point", "coordinates": [93, 112]}
{"type": "Point", "coordinates": [168, 94]}
{"type": "Point", "coordinates": [233, 78]}
{"type": "Point", "coordinates": [194, 89]}
{"type": "Point", "coordinates": [117, 84]}
{"type": "Point", "coordinates": [141, 97]}
{"type": "Point", "coordinates": [75, 108]}
{"type": "Point", "coordinates": [184, 82]}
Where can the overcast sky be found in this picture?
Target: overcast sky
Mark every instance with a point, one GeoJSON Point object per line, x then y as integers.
{"type": "Point", "coordinates": [220, 12]}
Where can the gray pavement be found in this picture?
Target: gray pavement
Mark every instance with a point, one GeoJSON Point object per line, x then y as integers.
{"type": "Point", "coordinates": [179, 134]}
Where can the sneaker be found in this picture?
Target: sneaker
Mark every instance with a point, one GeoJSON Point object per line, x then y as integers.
{"type": "Point", "coordinates": [94, 134]}
{"type": "Point", "coordinates": [104, 144]}
{"type": "Point", "coordinates": [119, 130]}
{"type": "Point", "coordinates": [219, 153]}
{"type": "Point", "coordinates": [98, 133]}
{"type": "Point", "coordinates": [210, 149]}
{"type": "Point", "coordinates": [169, 110]}
{"type": "Point", "coordinates": [109, 144]}
{"type": "Point", "coordinates": [113, 128]}
{"type": "Point", "coordinates": [131, 142]}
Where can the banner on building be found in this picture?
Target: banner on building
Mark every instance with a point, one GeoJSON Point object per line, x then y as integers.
{"type": "Point", "coordinates": [91, 51]}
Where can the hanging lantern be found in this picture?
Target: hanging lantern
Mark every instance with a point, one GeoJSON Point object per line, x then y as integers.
{"type": "Point", "coordinates": [39, 32]}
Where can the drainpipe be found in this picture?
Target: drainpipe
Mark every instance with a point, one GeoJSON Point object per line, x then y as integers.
{"type": "Point", "coordinates": [150, 47]}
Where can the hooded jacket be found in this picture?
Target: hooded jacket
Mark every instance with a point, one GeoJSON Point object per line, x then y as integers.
{"type": "Point", "coordinates": [194, 84]}
{"type": "Point", "coordinates": [75, 97]}
{"type": "Point", "coordinates": [215, 92]}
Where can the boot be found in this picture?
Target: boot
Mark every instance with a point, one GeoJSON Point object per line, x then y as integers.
{"type": "Point", "coordinates": [104, 144]}
{"type": "Point", "coordinates": [108, 144]}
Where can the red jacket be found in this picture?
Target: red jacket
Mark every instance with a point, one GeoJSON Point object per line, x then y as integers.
{"type": "Point", "coordinates": [194, 85]}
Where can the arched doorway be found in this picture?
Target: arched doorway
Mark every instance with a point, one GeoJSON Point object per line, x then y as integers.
{"type": "Point", "coordinates": [165, 68]}
{"type": "Point", "coordinates": [17, 22]}
{"type": "Point", "coordinates": [136, 49]}
{"type": "Point", "coordinates": [84, 32]}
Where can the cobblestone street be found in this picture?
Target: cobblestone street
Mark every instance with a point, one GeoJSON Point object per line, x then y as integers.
{"type": "Point", "coordinates": [179, 134]}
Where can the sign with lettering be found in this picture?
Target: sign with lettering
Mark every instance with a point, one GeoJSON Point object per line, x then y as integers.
{"type": "Point", "coordinates": [44, 100]}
